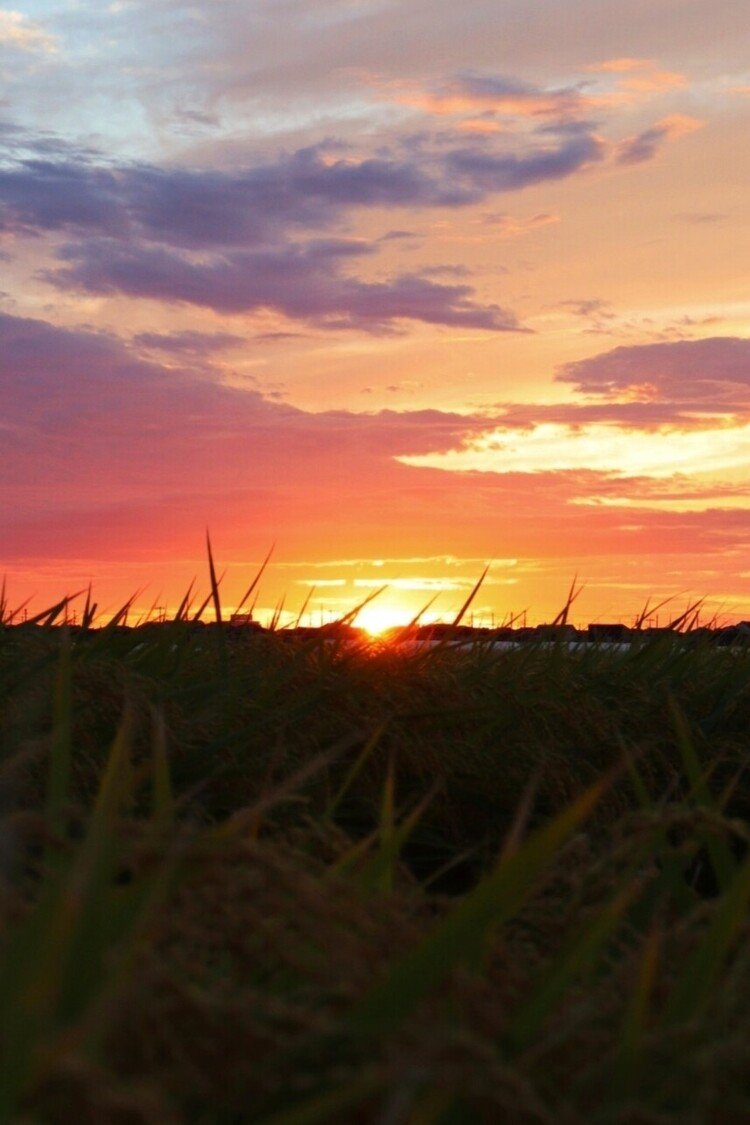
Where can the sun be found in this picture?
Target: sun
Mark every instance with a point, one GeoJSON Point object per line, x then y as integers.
{"type": "Point", "coordinates": [376, 619]}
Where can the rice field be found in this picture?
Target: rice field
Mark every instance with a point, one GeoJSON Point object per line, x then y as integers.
{"type": "Point", "coordinates": [279, 878]}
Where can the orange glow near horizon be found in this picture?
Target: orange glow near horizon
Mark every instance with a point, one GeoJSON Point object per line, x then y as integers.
{"type": "Point", "coordinates": [376, 619]}
{"type": "Point", "coordinates": [610, 592]}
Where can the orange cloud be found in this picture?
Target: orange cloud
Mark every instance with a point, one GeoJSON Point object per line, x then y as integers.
{"type": "Point", "coordinates": [646, 76]}
{"type": "Point", "coordinates": [635, 79]}
{"type": "Point", "coordinates": [481, 125]}
{"type": "Point", "coordinates": [654, 82]}
{"type": "Point", "coordinates": [620, 66]}
{"type": "Point", "coordinates": [680, 124]}
{"type": "Point", "coordinates": [474, 93]}
{"type": "Point", "coordinates": [495, 94]}
{"type": "Point", "coordinates": [456, 103]}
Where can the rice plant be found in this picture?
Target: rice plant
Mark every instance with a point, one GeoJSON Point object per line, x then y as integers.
{"type": "Point", "coordinates": [285, 877]}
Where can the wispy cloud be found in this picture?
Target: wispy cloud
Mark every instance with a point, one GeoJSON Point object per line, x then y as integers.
{"type": "Point", "coordinates": [645, 145]}
{"type": "Point", "coordinates": [494, 99]}
{"type": "Point", "coordinates": [472, 93]}
{"type": "Point", "coordinates": [188, 342]}
{"type": "Point", "coordinates": [430, 584]}
{"type": "Point", "coordinates": [638, 77]}
{"type": "Point", "coordinates": [18, 31]}
{"type": "Point", "coordinates": [320, 582]}
{"type": "Point", "coordinates": [402, 561]}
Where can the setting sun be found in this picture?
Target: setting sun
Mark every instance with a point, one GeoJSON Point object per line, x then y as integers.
{"type": "Point", "coordinates": [376, 619]}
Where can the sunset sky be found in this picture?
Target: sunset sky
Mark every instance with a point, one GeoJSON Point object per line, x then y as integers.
{"type": "Point", "coordinates": [405, 287]}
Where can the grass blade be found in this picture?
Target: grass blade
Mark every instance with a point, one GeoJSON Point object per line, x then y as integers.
{"type": "Point", "coordinates": [577, 958]}
{"type": "Point", "coordinates": [461, 937]}
{"type": "Point", "coordinates": [721, 857]}
{"type": "Point", "coordinates": [61, 742]}
{"type": "Point", "coordinates": [214, 584]}
{"type": "Point", "coordinates": [465, 607]}
{"type": "Point", "coordinates": [248, 592]}
{"type": "Point", "coordinates": [359, 762]}
{"type": "Point", "coordinates": [698, 975]}
{"type": "Point", "coordinates": [163, 802]}
{"type": "Point", "coordinates": [635, 1021]}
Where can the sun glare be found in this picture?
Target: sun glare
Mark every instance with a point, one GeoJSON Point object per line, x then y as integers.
{"type": "Point", "coordinates": [376, 619]}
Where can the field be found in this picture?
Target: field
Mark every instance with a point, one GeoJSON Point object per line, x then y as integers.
{"type": "Point", "coordinates": [258, 877]}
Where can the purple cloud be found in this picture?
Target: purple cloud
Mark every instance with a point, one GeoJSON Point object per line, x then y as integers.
{"type": "Point", "coordinates": [587, 307]}
{"type": "Point", "coordinates": [397, 236]}
{"type": "Point", "coordinates": [194, 208]}
{"type": "Point", "coordinates": [645, 145]}
{"type": "Point", "coordinates": [304, 191]}
{"type": "Point", "coordinates": [496, 172]}
{"type": "Point", "coordinates": [188, 343]}
{"type": "Point", "coordinates": [301, 280]}
{"type": "Point", "coordinates": [704, 374]}
{"type": "Point", "coordinates": [137, 229]}
{"type": "Point", "coordinates": [51, 195]}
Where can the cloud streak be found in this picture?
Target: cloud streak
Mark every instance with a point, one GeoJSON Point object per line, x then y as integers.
{"type": "Point", "coordinates": [303, 281]}
{"type": "Point", "coordinates": [475, 93]}
{"type": "Point", "coordinates": [645, 145]}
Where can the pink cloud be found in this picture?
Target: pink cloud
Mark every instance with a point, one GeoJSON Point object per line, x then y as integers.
{"type": "Point", "coordinates": [109, 456]}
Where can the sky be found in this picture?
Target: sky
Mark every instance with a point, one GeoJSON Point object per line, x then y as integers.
{"type": "Point", "coordinates": [401, 288]}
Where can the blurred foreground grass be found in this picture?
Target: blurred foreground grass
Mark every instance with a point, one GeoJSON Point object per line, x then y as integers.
{"type": "Point", "coordinates": [248, 877]}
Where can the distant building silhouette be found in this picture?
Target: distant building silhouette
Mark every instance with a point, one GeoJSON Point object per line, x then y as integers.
{"type": "Point", "coordinates": [604, 632]}
{"type": "Point", "coordinates": [245, 621]}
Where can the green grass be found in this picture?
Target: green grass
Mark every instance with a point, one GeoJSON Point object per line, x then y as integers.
{"type": "Point", "coordinates": [257, 878]}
